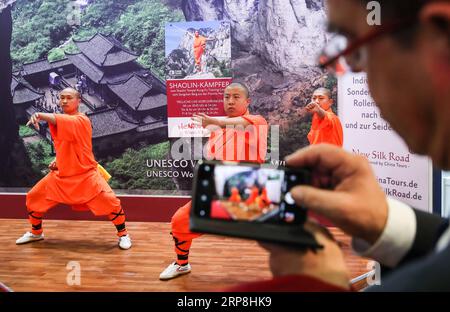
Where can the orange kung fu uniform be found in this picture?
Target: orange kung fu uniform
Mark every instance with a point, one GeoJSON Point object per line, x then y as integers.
{"type": "Point", "coordinates": [77, 181]}
{"type": "Point", "coordinates": [234, 144]}
{"type": "Point", "coordinates": [326, 130]}
{"type": "Point", "coordinates": [199, 48]}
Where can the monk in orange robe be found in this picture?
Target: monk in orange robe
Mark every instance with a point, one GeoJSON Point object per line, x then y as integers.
{"type": "Point", "coordinates": [265, 201]}
{"type": "Point", "coordinates": [253, 195]}
{"type": "Point", "coordinates": [325, 126]}
{"type": "Point", "coordinates": [74, 177]}
{"type": "Point", "coordinates": [247, 147]}
{"type": "Point", "coordinates": [199, 47]}
{"type": "Point", "coordinates": [235, 197]}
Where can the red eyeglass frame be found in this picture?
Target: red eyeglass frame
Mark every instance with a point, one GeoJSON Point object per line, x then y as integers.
{"type": "Point", "coordinates": [379, 31]}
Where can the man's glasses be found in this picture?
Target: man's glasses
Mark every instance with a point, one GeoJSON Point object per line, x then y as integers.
{"type": "Point", "coordinates": [340, 55]}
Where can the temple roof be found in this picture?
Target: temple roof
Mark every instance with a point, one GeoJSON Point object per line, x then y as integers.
{"type": "Point", "coordinates": [88, 68]}
{"type": "Point", "coordinates": [59, 63]}
{"type": "Point", "coordinates": [23, 92]}
{"type": "Point", "coordinates": [35, 67]}
{"type": "Point", "coordinates": [108, 122]}
{"type": "Point", "coordinates": [102, 75]}
{"type": "Point", "coordinates": [138, 93]}
{"type": "Point", "coordinates": [42, 65]}
{"type": "Point", "coordinates": [105, 50]}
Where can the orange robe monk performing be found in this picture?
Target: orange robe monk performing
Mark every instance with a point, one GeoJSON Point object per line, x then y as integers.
{"type": "Point", "coordinates": [75, 178]}
{"type": "Point", "coordinates": [247, 147]}
{"type": "Point", "coordinates": [199, 48]}
{"type": "Point", "coordinates": [325, 126]}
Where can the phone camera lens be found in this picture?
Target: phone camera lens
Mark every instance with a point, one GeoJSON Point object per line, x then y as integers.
{"type": "Point", "coordinates": [288, 199]}
{"type": "Point", "coordinates": [289, 217]}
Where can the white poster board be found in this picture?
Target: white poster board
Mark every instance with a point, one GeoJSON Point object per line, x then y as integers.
{"type": "Point", "coordinates": [403, 175]}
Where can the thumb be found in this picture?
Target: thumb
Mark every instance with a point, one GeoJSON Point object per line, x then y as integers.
{"type": "Point", "coordinates": [326, 203]}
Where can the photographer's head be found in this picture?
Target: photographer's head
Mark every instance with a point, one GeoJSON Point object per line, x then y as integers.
{"type": "Point", "coordinates": [407, 61]}
{"type": "Point", "coordinates": [236, 99]}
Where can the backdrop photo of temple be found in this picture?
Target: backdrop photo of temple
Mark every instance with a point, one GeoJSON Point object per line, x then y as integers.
{"type": "Point", "coordinates": [125, 102]}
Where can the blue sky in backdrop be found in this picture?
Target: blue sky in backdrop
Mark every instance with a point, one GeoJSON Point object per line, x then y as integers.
{"type": "Point", "coordinates": [175, 32]}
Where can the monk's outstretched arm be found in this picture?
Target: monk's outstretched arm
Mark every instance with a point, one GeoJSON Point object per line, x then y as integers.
{"type": "Point", "coordinates": [206, 120]}
{"type": "Point", "coordinates": [36, 117]}
{"type": "Point", "coordinates": [233, 121]}
{"type": "Point", "coordinates": [321, 112]}
{"type": "Point", "coordinates": [315, 108]}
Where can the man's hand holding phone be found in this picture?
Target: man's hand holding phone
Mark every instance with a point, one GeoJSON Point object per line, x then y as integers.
{"type": "Point", "coordinates": [250, 201]}
{"type": "Point", "coordinates": [326, 264]}
{"type": "Point", "coordinates": [344, 190]}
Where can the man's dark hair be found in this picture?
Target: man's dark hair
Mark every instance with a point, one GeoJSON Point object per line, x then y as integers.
{"type": "Point", "coordinates": [399, 9]}
{"type": "Point", "coordinates": [402, 10]}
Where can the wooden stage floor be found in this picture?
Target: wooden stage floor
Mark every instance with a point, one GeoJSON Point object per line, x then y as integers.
{"type": "Point", "coordinates": [217, 262]}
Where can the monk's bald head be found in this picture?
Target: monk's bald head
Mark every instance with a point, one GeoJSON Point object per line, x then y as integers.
{"type": "Point", "coordinates": [236, 99]}
{"type": "Point", "coordinates": [69, 100]}
{"type": "Point", "coordinates": [72, 91]}
{"type": "Point", "coordinates": [323, 91]}
{"type": "Point", "coordinates": [240, 86]}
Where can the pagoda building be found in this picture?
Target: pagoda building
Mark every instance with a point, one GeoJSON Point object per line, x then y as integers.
{"type": "Point", "coordinates": [125, 102]}
{"type": "Point", "coordinates": [104, 60]}
{"type": "Point", "coordinates": [24, 95]}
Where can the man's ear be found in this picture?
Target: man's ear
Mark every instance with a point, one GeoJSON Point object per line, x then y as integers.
{"type": "Point", "coordinates": [435, 19]}
{"type": "Point", "coordinates": [437, 15]}
{"type": "Point", "coordinates": [435, 9]}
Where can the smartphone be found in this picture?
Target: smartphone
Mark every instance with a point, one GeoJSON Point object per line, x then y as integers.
{"type": "Point", "coordinates": [249, 200]}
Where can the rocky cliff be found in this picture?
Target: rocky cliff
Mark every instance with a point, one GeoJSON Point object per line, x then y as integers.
{"type": "Point", "coordinates": [217, 53]}
{"type": "Point", "coordinates": [274, 49]}
{"type": "Point", "coordinates": [287, 33]}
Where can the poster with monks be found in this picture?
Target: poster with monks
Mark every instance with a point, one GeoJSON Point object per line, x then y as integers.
{"type": "Point", "coordinates": [126, 57]}
{"type": "Point", "coordinates": [198, 68]}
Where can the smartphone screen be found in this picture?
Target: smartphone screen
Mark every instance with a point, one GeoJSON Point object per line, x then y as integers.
{"type": "Point", "coordinates": [249, 193]}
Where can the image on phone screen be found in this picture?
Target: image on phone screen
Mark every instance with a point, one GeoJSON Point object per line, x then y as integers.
{"type": "Point", "coordinates": [249, 193]}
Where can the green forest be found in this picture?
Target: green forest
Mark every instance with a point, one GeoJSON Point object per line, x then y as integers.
{"type": "Point", "coordinates": [128, 171]}
{"type": "Point", "coordinates": [41, 30]}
